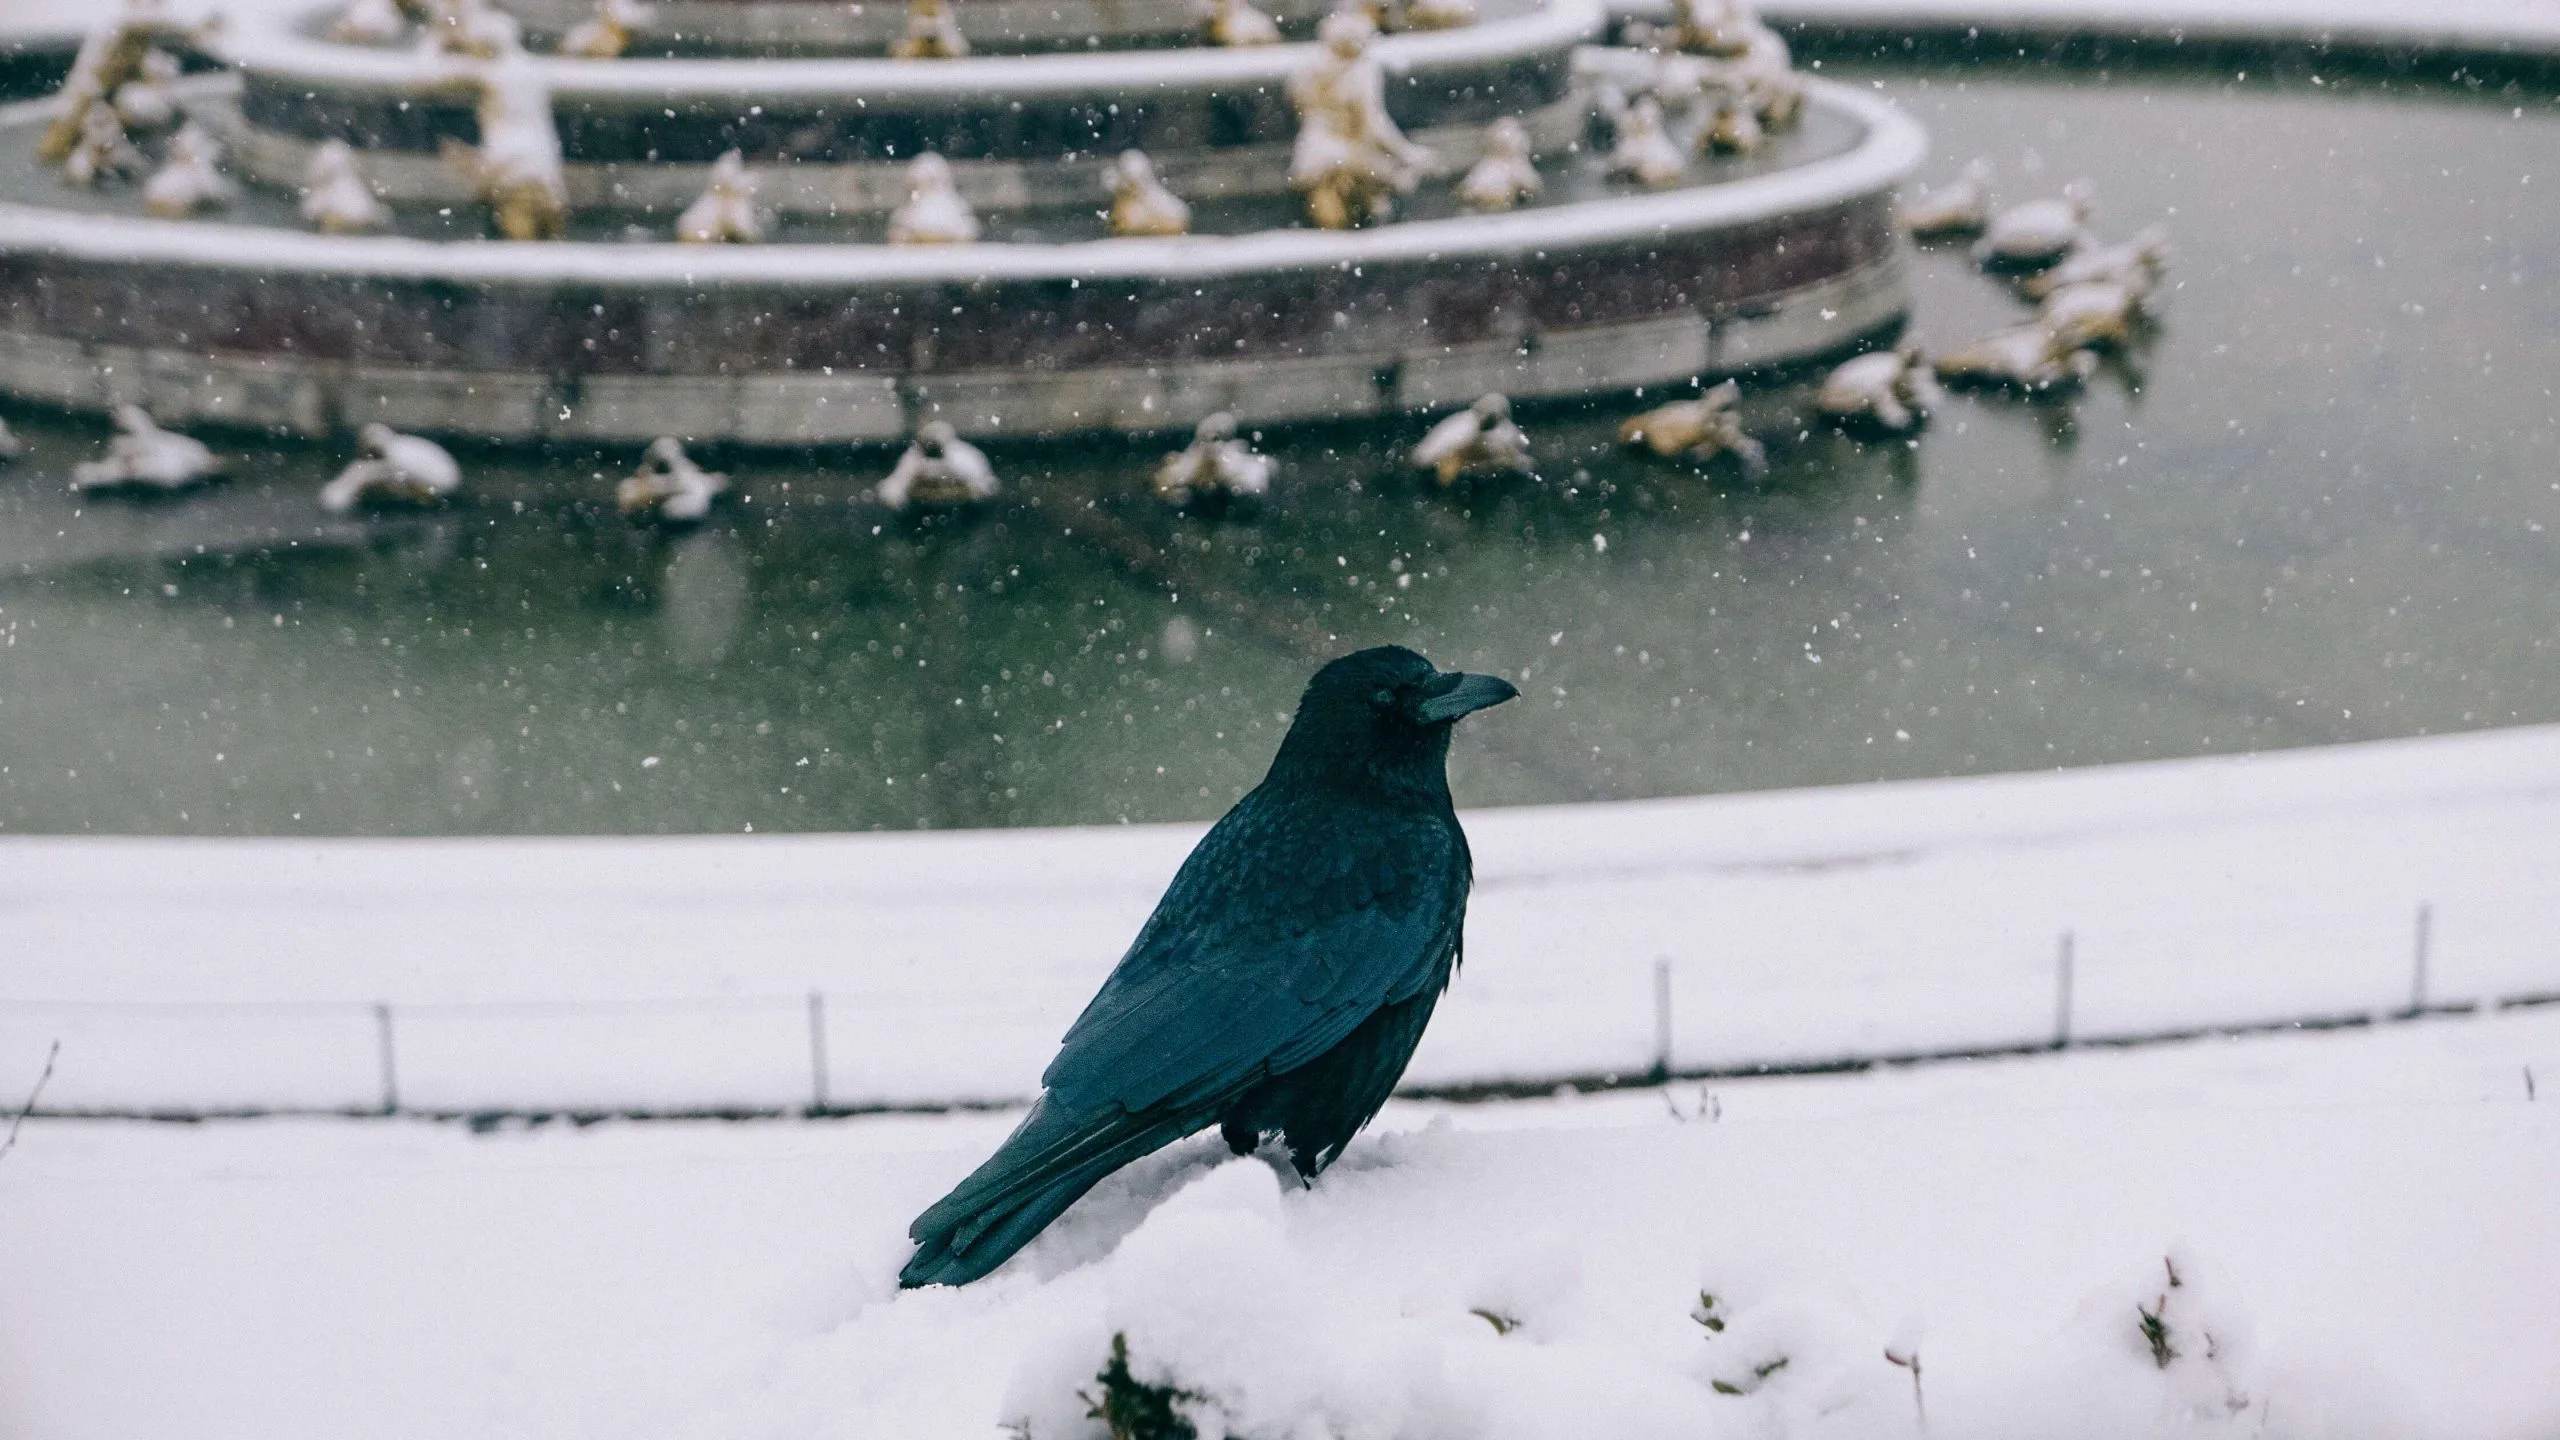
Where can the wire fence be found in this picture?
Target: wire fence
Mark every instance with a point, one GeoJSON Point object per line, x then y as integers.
{"type": "Point", "coordinates": [775, 1056]}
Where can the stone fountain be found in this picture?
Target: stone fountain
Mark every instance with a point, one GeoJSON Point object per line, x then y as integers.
{"type": "Point", "coordinates": [528, 281]}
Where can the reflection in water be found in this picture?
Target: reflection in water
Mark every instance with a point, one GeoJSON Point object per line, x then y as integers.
{"type": "Point", "coordinates": [702, 598]}
{"type": "Point", "coordinates": [473, 779]}
{"type": "Point", "coordinates": [2315, 505]}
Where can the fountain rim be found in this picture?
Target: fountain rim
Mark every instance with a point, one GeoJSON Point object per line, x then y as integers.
{"type": "Point", "coordinates": [1886, 154]}
{"type": "Point", "coordinates": [272, 48]}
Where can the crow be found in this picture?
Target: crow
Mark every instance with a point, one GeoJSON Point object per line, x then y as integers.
{"type": "Point", "coordinates": [1283, 980]}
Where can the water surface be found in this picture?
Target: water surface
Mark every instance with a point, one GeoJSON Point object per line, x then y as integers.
{"type": "Point", "coordinates": [2319, 504]}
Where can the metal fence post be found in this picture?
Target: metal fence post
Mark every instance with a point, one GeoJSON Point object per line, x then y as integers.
{"type": "Point", "coordinates": [817, 1052]}
{"type": "Point", "coordinates": [1662, 1017]}
{"type": "Point", "coordinates": [2062, 993]}
{"type": "Point", "coordinates": [2418, 961]}
{"type": "Point", "coordinates": [390, 1066]}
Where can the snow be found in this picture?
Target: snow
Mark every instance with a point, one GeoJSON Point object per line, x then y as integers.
{"type": "Point", "coordinates": [1797, 927]}
{"type": "Point", "coordinates": [2362, 1219]}
{"type": "Point", "coordinates": [2525, 25]}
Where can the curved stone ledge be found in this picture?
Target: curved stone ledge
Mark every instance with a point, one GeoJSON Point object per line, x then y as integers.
{"type": "Point", "coordinates": [813, 187]}
{"type": "Point", "coordinates": [781, 26]}
{"type": "Point", "coordinates": [843, 111]}
{"type": "Point", "coordinates": [2472, 40]}
{"type": "Point", "coordinates": [797, 408]}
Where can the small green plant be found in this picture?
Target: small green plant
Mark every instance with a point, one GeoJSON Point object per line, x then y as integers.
{"type": "Point", "coordinates": [1759, 1374]}
{"type": "Point", "coordinates": [2155, 1320]}
{"type": "Point", "coordinates": [1133, 1409]}
{"type": "Point", "coordinates": [2155, 1333]}
{"type": "Point", "coordinates": [1502, 1324]}
{"type": "Point", "coordinates": [1708, 1315]}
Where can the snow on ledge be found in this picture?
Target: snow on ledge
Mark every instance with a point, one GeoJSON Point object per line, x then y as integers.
{"type": "Point", "coordinates": [1792, 926]}
{"type": "Point", "coordinates": [269, 45]}
{"type": "Point", "coordinates": [2520, 25]}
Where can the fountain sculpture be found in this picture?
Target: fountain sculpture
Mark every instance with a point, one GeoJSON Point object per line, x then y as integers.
{"type": "Point", "coordinates": [939, 470]}
{"type": "Point", "coordinates": [395, 469]}
{"type": "Point", "coordinates": [515, 169]}
{"type": "Point", "coordinates": [1216, 465]}
{"type": "Point", "coordinates": [1892, 390]}
{"type": "Point", "coordinates": [143, 457]}
{"type": "Point", "coordinates": [335, 197]}
{"type": "Point", "coordinates": [1961, 207]}
{"type": "Point", "coordinates": [2037, 233]}
{"type": "Point", "coordinates": [608, 32]}
{"type": "Point", "coordinates": [115, 57]}
{"type": "Point", "coordinates": [726, 210]}
{"type": "Point", "coordinates": [1698, 429]}
{"type": "Point", "coordinates": [1459, 237]}
{"type": "Point", "coordinates": [1508, 173]}
{"type": "Point", "coordinates": [1140, 205]}
{"type": "Point", "coordinates": [1351, 160]}
{"type": "Point", "coordinates": [1237, 22]}
{"type": "Point", "coordinates": [190, 179]}
{"type": "Point", "coordinates": [1480, 440]}
{"type": "Point", "coordinates": [669, 486]}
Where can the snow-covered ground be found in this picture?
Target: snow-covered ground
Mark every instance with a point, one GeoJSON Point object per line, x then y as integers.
{"type": "Point", "coordinates": [2364, 1221]}
{"type": "Point", "coordinates": [1796, 926]}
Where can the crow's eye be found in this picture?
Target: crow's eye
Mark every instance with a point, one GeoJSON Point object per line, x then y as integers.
{"type": "Point", "coordinates": [1384, 699]}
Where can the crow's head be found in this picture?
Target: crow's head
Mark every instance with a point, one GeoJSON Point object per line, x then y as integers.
{"type": "Point", "coordinates": [1381, 718]}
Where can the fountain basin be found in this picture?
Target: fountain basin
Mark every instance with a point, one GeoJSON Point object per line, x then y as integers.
{"type": "Point", "coordinates": [2284, 519]}
{"type": "Point", "coordinates": [1019, 128]}
{"type": "Point", "coordinates": [804, 344]}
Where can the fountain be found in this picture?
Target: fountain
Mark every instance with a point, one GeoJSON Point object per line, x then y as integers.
{"type": "Point", "coordinates": [2158, 547]}
{"type": "Point", "coordinates": [1305, 231]}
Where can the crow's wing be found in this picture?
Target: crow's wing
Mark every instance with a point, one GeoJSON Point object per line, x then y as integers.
{"type": "Point", "coordinates": [1291, 923]}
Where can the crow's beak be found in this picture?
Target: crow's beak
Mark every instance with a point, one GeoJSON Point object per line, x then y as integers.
{"type": "Point", "coordinates": [1466, 696]}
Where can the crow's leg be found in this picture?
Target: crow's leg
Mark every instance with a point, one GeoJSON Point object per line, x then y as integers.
{"type": "Point", "coordinates": [1319, 1106]}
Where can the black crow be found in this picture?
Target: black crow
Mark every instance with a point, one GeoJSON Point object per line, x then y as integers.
{"type": "Point", "coordinates": [1281, 984]}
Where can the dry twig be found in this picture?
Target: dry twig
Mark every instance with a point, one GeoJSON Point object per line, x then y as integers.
{"type": "Point", "coordinates": [33, 1096]}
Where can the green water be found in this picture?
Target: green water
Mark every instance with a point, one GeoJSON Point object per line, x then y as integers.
{"type": "Point", "coordinates": [2320, 504]}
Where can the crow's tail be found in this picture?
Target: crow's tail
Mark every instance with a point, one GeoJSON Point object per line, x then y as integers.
{"type": "Point", "coordinates": [1052, 1158]}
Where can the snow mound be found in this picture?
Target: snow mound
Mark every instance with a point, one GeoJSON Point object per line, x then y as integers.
{"type": "Point", "coordinates": [2358, 1223]}
{"type": "Point", "coordinates": [1225, 1294]}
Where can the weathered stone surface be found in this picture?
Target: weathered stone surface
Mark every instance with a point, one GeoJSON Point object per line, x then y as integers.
{"type": "Point", "coordinates": [815, 187]}
{"type": "Point", "coordinates": [804, 369]}
{"type": "Point", "coordinates": [1037, 324]}
{"type": "Point", "coordinates": [832, 26]}
{"type": "Point", "coordinates": [1180, 116]}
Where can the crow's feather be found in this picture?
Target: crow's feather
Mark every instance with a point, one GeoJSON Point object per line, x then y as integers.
{"type": "Point", "coordinates": [1283, 980]}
